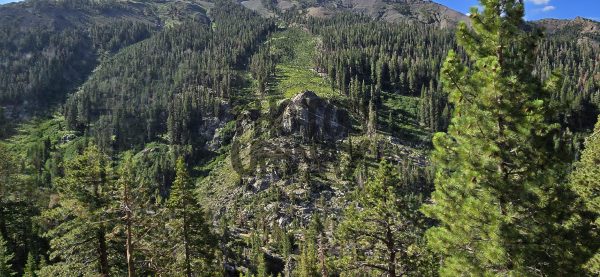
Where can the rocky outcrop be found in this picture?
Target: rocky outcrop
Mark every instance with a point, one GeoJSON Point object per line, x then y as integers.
{"type": "Point", "coordinates": [584, 31]}
{"type": "Point", "coordinates": [397, 11]}
{"type": "Point", "coordinates": [313, 118]}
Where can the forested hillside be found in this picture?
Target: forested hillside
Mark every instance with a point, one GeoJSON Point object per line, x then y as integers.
{"type": "Point", "coordinates": [296, 138]}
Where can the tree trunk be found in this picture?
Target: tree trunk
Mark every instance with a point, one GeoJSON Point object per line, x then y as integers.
{"type": "Point", "coordinates": [102, 253]}
{"type": "Point", "coordinates": [130, 266]}
{"type": "Point", "coordinates": [391, 251]}
{"type": "Point", "coordinates": [3, 229]}
{"type": "Point", "coordinates": [188, 267]}
{"type": "Point", "coordinates": [322, 257]}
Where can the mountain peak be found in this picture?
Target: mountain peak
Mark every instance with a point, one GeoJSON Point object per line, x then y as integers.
{"type": "Point", "coordinates": [422, 11]}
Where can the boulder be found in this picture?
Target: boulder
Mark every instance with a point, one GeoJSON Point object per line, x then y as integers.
{"type": "Point", "coordinates": [313, 118]}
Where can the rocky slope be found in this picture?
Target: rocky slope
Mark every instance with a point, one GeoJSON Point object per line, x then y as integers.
{"type": "Point", "coordinates": [285, 165]}
{"type": "Point", "coordinates": [410, 11]}
{"type": "Point", "coordinates": [65, 15]}
{"type": "Point", "coordinates": [583, 30]}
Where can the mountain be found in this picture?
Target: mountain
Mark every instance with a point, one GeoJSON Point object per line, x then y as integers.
{"type": "Point", "coordinates": [582, 30]}
{"type": "Point", "coordinates": [63, 41]}
{"type": "Point", "coordinates": [422, 11]}
{"type": "Point", "coordinates": [281, 110]}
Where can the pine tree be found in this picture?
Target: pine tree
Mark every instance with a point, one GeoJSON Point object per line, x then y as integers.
{"type": "Point", "coordinates": [318, 231]}
{"type": "Point", "coordinates": [585, 181]}
{"type": "Point", "coordinates": [7, 172]}
{"type": "Point", "coordinates": [195, 239]}
{"type": "Point", "coordinates": [500, 196]}
{"type": "Point", "coordinates": [307, 263]}
{"type": "Point", "coordinates": [30, 266]}
{"type": "Point", "coordinates": [382, 225]}
{"type": "Point", "coordinates": [372, 120]}
{"type": "Point", "coordinates": [261, 268]}
{"type": "Point", "coordinates": [312, 262]}
{"type": "Point", "coordinates": [126, 183]}
{"type": "Point", "coordinates": [5, 260]}
{"type": "Point", "coordinates": [78, 239]}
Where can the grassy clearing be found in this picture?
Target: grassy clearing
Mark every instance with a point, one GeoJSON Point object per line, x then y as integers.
{"type": "Point", "coordinates": [295, 73]}
{"type": "Point", "coordinates": [39, 132]}
{"type": "Point", "coordinates": [400, 118]}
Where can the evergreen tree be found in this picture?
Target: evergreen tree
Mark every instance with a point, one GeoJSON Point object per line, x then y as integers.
{"type": "Point", "coordinates": [307, 263]}
{"type": "Point", "coordinates": [7, 172]}
{"type": "Point", "coordinates": [311, 262]}
{"type": "Point", "coordinates": [318, 232]}
{"type": "Point", "coordinates": [195, 242]}
{"type": "Point", "coordinates": [585, 181]}
{"type": "Point", "coordinates": [383, 225]}
{"type": "Point", "coordinates": [5, 260]}
{"type": "Point", "coordinates": [30, 266]}
{"type": "Point", "coordinates": [80, 220]}
{"type": "Point", "coordinates": [499, 196]}
{"type": "Point", "coordinates": [126, 183]}
{"type": "Point", "coordinates": [372, 120]}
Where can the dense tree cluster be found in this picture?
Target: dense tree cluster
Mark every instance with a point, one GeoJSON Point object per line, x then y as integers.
{"type": "Point", "coordinates": [383, 230]}
{"type": "Point", "coordinates": [577, 91]}
{"type": "Point", "coordinates": [39, 65]}
{"type": "Point", "coordinates": [585, 182]}
{"type": "Point", "coordinates": [114, 186]}
{"type": "Point", "coordinates": [171, 81]}
{"type": "Point", "coordinates": [363, 57]}
{"type": "Point", "coordinates": [108, 222]}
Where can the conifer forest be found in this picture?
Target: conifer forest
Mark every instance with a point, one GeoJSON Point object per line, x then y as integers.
{"type": "Point", "coordinates": [297, 138]}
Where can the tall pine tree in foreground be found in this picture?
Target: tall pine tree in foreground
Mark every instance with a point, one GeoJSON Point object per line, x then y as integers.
{"type": "Point", "coordinates": [585, 181]}
{"type": "Point", "coordinates": [500, 197]}
{"type": "Point", "coordinates": [126, 184]}
{"type": "Point", "coordinates": [195, 243]}
{"type": "Point", "coordinates": [80, 221]}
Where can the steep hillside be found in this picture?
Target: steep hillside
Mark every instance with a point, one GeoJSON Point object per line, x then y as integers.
{"type": "Point", "coordinates": [265, 123]}
{"type": "Point", "coordinates": [57, 44]}
{"type": "Point", "coordinates": [408, 11]}
{"type": "Point", "coordinates": [582, 30]}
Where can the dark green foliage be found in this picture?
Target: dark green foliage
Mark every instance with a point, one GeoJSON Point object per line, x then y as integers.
{"type": "Point", "coordinates": [577, 90]}
{"type": "Point", "coordinates": [158, 77]}
{"type": "Point", "coordinates": [364, 57]}
{"type": "Point", "coordinates": [80, 222]}
{"type": "Point", "coordinates": [30, 267]}
{"type": "Point", "coordinates": [50, 55]}
{"type": "Point", "coordinates": [311, 260]}
{"type": "Point", "coordinates": [382, 230]}
{"type": "Point", "coordinates": [585, 181]}
{"type": "Point", "coordinates": [194, 241]}
{"type": "Point", "coordinates": [18, 207]}
{"type": "Point", "coordinates": [172, 81]}
{"type": "Point", "coordinates": [6, 258]}
{"type": "Point", "coordinates": [131, 201]}
{"type": "Point", "coordinates": [262, 67]}
{"type": "Point", "coordinates": [500, 196]}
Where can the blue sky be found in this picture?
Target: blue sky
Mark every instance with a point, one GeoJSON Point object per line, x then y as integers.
{"type": "Point", "coordinates": [536, 9]}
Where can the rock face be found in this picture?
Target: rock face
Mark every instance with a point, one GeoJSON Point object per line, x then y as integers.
{"type": "Point", "coordinates": [583, 30]}
{"type": "Point", "coordinates": [406, 11]}
{"type": "Point", "coordinates": [409, 11]}
{"type": "Point", "coordinates": [309, 116]}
